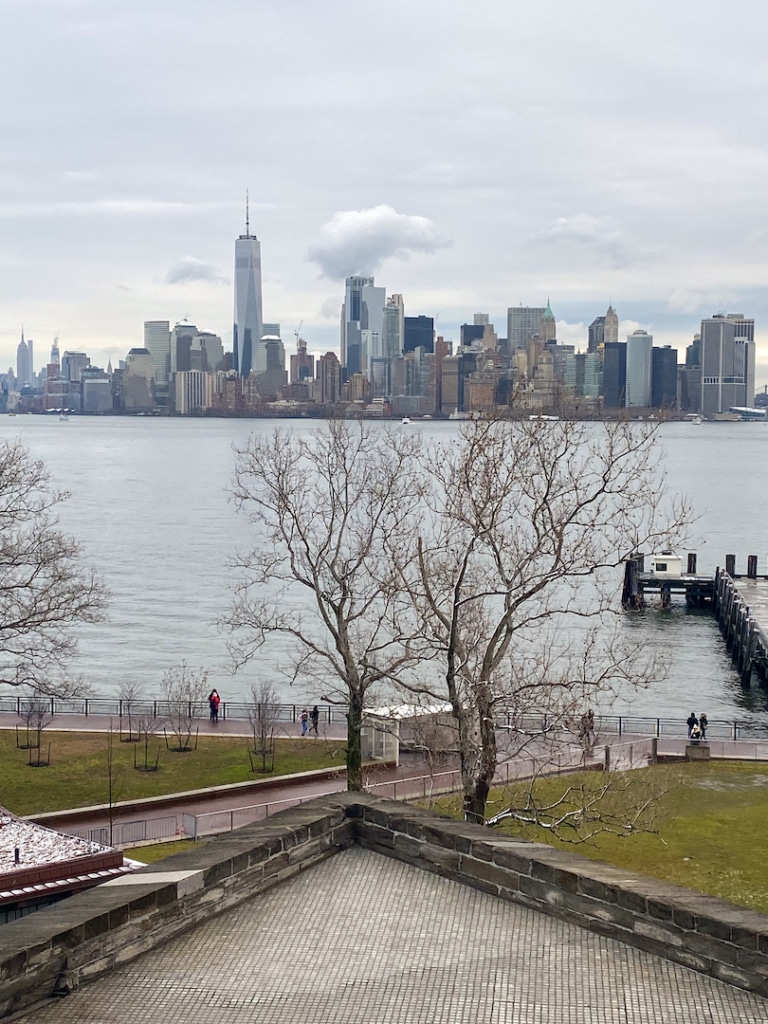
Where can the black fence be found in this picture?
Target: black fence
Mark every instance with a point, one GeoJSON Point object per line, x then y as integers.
{"type": "Point", "coordinates": [114, 707]}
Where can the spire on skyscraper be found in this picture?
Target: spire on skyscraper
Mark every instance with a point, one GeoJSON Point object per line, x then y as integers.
{"type": "Point", "coordinates": [247, 216]}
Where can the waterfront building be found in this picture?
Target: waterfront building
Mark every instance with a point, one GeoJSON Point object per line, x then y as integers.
{"type": "Point", "coordinates": [328, 383]}
{"type": "Point", "coordinates": [456, 370]}
{"type": "Point", "coordinates": [157, 341]}
{"type": "Point", "coordinates": [194, 391]}
{"type": "Point", "coordinates": [664, 377]}
{"type": "Point", "coordinates": [727, 358]}
{"type": "Point", "coordinates": [614, 374]}
{"type": "Point", "coordinates": [638, 369]}
{"type": "Point", "coordinates": [249, 318]}
{"type": "Point", "coordinates": [96, 389]}
{"type": "Point", "coordinates": [137, 382]}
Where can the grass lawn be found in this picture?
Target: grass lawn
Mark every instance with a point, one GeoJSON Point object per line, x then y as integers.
{"type": "Point", "coordinates": [713, 829]}
{"type": "Point", "coordinates": [159, 851]}
{"type": "Point", "coordinates": [77, 775]}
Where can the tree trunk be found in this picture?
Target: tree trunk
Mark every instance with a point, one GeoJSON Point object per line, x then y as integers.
{"type": "Point", "coordinates": [478, 771]}
{"type": "Point", "coordinates": [354, 743]}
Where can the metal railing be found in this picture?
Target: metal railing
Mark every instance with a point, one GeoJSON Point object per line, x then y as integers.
{"type": "Point", "coordinates": [334, 714]}
{"type": "Point", "coordinates": [131, 833]}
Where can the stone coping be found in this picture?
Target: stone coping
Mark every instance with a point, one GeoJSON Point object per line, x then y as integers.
{"type": "Point", "coordinates": [85, 936]}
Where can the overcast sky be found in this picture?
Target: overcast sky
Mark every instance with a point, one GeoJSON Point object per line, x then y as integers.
{"type": "Point", "coordinates": [472, 155]}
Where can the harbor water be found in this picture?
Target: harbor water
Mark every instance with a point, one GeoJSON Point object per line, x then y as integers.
{"type": "Point", "coordinates": [150, 504]}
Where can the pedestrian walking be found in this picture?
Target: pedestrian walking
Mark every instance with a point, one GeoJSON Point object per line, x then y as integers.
{"type": "Point", "coordinates": [315, 716]}
{"type": "Point", "coordinates": [703, 723]}
{"type": "Point", "coordinates": [690, 722]}
{"type": "Point", "coordinates": [213, 703]}
{"type": "Point", "coordinates": [304, 721]}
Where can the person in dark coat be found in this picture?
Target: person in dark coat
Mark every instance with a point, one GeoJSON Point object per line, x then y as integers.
{"type": "Point", "coordinates": [690, 722]}
{"type": "Point", "coordinates": [315, 719]}
{"type": "Point", "coordinates": [703, 723]}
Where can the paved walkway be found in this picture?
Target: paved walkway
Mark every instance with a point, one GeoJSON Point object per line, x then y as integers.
{"type": "Point", "coordinates": [364, 939]}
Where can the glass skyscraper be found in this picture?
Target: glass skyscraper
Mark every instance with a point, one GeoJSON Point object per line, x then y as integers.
{"type": "Point", "coordinates": [249, 317]}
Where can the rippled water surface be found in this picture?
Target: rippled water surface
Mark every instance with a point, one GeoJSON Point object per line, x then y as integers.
{"type": "Point", "coordinates": [150, 504]}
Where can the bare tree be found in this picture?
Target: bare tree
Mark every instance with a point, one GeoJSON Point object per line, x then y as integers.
{"type": "Point", "coordinates": [324, 509]}
{"type": "Point", "coordinates": [513, 590]}
{"type": "Point", "coordinates": [262, 713]}
{"type": "Point", "coordinates": [45, 590]}
{"type": "Point", "coordinates": [130, 695]}
{"type": "Point", "coordinates": [183, 692]}
{"type": "Point", "coordinates": [147, 725]}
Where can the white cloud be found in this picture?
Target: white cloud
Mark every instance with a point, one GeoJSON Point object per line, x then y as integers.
{"type": "Point", "coordinates": [602, 235]}
{"type": "Point", "coordinates": [191, 269]}
{"type": "Point", "coordinates": [359, 241]}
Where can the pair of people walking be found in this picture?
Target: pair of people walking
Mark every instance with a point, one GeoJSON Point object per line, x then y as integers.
{"type": "Point", "coordinates": [313, 717]}
{"type": "Point", "coordinates": [697, 727]}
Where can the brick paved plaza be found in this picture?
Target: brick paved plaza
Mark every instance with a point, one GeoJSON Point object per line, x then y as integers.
{"type": "Point", "coordinates": [365, 939]}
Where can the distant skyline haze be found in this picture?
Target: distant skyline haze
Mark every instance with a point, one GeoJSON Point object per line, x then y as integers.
{"type": "Point", "coordinates": [472, 157]}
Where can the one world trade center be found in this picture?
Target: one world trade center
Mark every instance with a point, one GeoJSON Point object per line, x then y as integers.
{"type": "Point", "coordinates": [248, 308]}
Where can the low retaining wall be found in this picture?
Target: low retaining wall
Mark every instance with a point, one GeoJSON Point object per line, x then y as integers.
{"type": "Point", "coordinates": [706, 934]}
{"type": "Point", "coordinates": [81, 938]}
{"type": "Point", "coordinates": [57, 949]}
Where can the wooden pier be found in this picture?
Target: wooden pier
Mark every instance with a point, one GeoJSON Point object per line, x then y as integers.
{"type": "Point", "coordinates": [738, 602]}
{"type": "Point", "coordinates": [699, 590]}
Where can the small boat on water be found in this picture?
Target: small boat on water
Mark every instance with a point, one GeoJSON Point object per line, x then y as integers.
{"type": "Point", "coordinates": [405, 421]}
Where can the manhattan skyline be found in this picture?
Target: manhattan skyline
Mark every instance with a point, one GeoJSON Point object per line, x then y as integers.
{"type": "Point", "coordinates": [498, 157]}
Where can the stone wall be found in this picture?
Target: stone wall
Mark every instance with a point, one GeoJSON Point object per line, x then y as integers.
{"type": "Point", "coordinates": [83, 937]}
{"type": "Point", "coordinates": [60, 947]}
{"type": "Point", "coordinates": [706, 934]}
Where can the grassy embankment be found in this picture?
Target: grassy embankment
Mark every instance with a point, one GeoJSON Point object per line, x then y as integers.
{"type": "Point", "coordinates": [77, 775]}
{"type": "Point", "coordinates": [712, 826]}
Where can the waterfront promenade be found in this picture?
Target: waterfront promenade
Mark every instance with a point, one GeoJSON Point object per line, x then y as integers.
{"type": "Point", "coordinates": [220, 809]}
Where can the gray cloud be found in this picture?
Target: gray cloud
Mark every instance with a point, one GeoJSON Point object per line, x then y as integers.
{"type": "Point", "coordinates": [191, 269]}
{"type": "Point", "coordinates": [359, 241]}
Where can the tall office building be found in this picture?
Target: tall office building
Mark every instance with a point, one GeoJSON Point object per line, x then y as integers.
{"type": "Point", "coordinates": [614, 374]}
{"type": "Point", "coordinates": [351, 323]}
{"type": "Point", "coordinates": [727, 356]}
{"type": "Point", "coordinates": [157, 341]}
{"type": "Point", "coordinates": [73, 364]}
{"type": "Point", "coordinates": [362, 324]}
{"type": "Point", "coordinates": [418, 332]}
{"type": "Point", "coordinates": [55, 358]}
{"type": "Point", "coordinates": [611, 326]}
{"type": "Point", "coordinates": [596, 335]}
{"type": "Point", "coordinates": [249, 317]}
{"type": "Point", "coordinates": [522, 323]}
{"type": "Point", "coordinates": [638, 379]}
{"type": "Point", "coordinates": [664, 377]}
{"type": "Point", "coordinates": [393, 327]}
{"type": "Point", "coordinates": [23, 363]}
